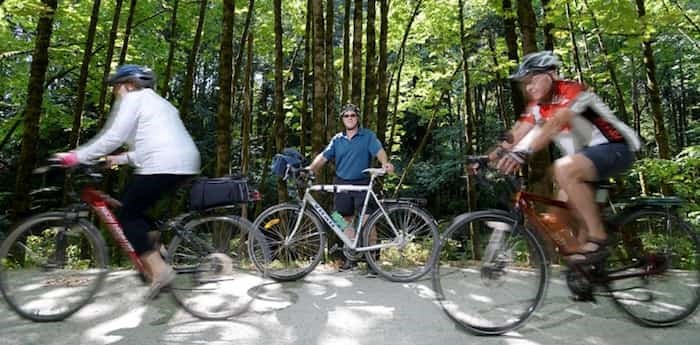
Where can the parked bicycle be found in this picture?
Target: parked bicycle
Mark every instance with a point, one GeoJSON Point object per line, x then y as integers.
{"type": "Point", "coordinates": [494, 268]}
{"type": "Point", "coordinates": [53, 263]}
{"type": "Point", "coordinates": [399, 240]}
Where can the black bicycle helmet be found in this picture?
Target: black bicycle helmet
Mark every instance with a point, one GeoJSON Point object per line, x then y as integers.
{"type": "Point", "coordinates": [349, 107]}
{"type": "Point", "coordinates": [141, 76]}
{"type": "Point", "coordinates": [538, 62]}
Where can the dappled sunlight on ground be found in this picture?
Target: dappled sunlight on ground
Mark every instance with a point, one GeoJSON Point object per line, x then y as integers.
{"type": "Point", "coordinates": [101, 333]}
{"type": "Point", "coordinates": [329, 309]}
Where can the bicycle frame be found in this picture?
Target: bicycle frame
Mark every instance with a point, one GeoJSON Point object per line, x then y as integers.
{"type": "Point", "coordinates": [524, 204]}
{"type": "Point", "coordinates": [308, 199]}
{"type": "Point", "coordinates": [100, 204]}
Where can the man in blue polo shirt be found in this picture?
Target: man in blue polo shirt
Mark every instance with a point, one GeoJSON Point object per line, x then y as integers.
{"type": "Point", "coordinates": [353, 150]}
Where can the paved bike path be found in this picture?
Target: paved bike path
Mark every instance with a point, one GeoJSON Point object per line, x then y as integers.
{"type": "Point", "coordinates": [329, 308]}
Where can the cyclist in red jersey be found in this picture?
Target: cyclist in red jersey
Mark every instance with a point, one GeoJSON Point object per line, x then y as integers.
{"type": "Point", "coordinates": [595, 144]}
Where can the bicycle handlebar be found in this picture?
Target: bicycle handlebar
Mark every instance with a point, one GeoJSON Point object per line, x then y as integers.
{"type": "Point", "coordinates": [481, 160]}
{"type": "Point", "coordinates": [92, 169]}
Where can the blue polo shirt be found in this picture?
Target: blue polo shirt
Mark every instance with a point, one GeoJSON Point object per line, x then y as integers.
{"type": "Point", "coordinates": [352, 155]}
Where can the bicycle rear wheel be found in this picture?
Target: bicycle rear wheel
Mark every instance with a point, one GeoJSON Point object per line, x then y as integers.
{"type": "Point", "coordinates": [50, 266]}
{"type": "Point", "coordinates": [492, 275]}
{"type": "Point", "coordinates": [414, 248]}
{"type": "Point", "coordinates": [291, 258]}
{"type": "Point", "coordinates": [215, 276]}
{"type": "Point", "coordinates": [664, 253]}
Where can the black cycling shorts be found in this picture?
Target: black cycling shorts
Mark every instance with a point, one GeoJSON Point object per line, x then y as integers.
{"type": "Point", "coordinates": [610, 159]}
{"type": "Point", "coordinates": [350, 203]}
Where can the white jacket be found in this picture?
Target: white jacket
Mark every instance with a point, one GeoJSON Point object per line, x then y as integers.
{"type": "Point", "coordinates": [151, 127]}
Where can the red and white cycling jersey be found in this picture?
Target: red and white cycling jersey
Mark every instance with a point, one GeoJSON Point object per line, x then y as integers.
{"type": "Point", "coordinates": [594, 123]}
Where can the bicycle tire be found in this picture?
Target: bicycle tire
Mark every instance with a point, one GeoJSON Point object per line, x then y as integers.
{"type": "Point", "coordinates": [418, 243]}
{"type": "Point", "coordinates": [290, 259]}
{"type": "Point", "coordinates": [51, 266]}
{"type": "Point", "coordinates": [643, 237]}
{"type": "Point", "coordinates": [214, 275]}
{"type": "Point", "coordinates": [483, 261]}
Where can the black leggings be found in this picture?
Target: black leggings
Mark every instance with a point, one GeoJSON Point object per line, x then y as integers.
{"type": "Point", "coordinates": [140, 195]}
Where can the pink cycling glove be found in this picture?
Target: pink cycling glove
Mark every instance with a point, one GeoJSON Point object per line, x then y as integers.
{"type": "Point", "coordinates": [67, 159]}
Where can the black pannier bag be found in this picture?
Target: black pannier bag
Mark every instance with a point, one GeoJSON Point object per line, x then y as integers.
{"type": "Point", "coordinates": [219, 191]}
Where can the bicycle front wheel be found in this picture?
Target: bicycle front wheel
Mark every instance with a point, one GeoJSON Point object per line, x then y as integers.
{"type": "Point", "coordinates": [50, 266]}
{"type": "Point", "coordinates": [214, 275]}
{"type": "Point", "coordinates": [412, 237]}
{"type": "Point", "coordinates": [293, 254]}
{"type": "Point", "coordinates": [492, 274]}
{"type": "Point", "coordinates": [662, 253]}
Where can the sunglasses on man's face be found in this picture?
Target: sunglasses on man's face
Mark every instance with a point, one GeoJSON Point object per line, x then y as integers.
{"type": "Point", "coordinates": [345, 116]}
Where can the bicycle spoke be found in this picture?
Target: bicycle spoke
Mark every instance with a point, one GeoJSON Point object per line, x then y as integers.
{"type": "Point", "coordinates": [491, 278]}
{"type": "Point", "coordinates": [294, 253]}
{"type": "Point", "coordinates": [46, 275]}
{"type": "Point", "coordinates": [409, 250]}
{"type": "Point", "coordinates": [658, 254]}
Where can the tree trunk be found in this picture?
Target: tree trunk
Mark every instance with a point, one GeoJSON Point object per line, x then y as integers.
{"type": "Point", "coordinates": [32, 107]}
{"type": "Point", "coordinates": [660, 133]}
{"type": "Point", "coordinates": [636, 112]}
{"type": "Point", "coordinates": [345, 92]}
{"type": "Point", "coordinates": [402, 48]}
{"type": "Point", "coordinates": [609, 64]}
{"type": "Point", "coordinates": [238, 61]}
{"type": "Point", "coordinates": [528, 26]}
{"type": "Point", "coordinates": [330, 71]}
{"type": "Point", "coordinates": [188, 85]}
{"type": "Point", "coordinates": [279, 128]}
{"type": "Point", "coordinates": [511, 38]}
{"type": "Point", "coordinates": [505, 118]}
{"type": "Point", "coordinates": [574, 44]}
{"type": "Point", "coordinates": [539, 180]}
{"type": "Point", "coordinates": [319, 77]}
{"type": "Point", "coordinates": [246, 119]}
{"type": "Point", "coordinates": [84, 74]}
{"type": "Point", "coordinates": [108, 59]}
{"type": "Point", "coordinates": [172, 39]}
{"type": "Point", "coordinates": [370, 67]}
{"type": "Point", "coordinates": [356, 89]}
{"type": "Point", "coordinates": [305, 83]}
{"type": "Point", "coordinates": [246, 122]}
{"type": "Point", "coordinates": [223, 114]}
{"type": "Point", "coordinates": [683, 117]}
{"type": "Point", "coordinates": [468, 124]}
{"type": "Point", "coordinates": [127, 32]}
{"type": "Point", "coordinates": [382, 82]}
{"type": "Point", "coordinates": [548, 26]}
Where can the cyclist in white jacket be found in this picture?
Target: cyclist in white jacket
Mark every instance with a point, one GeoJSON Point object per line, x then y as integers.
{"type": "Point", "coordinates": [160, 149]}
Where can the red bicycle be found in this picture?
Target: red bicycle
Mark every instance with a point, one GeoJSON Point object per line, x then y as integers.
{"type": "Point", "coordinates": [494, 268]}
{"type": "Point", "coordinates": [53, 263]}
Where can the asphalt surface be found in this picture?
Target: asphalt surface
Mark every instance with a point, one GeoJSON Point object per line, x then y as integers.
{"type": "Point", "coordinates": [329, 308]}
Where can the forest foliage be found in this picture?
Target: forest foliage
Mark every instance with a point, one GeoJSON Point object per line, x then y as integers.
{"type": "Point", "coordinates": [428, 126]}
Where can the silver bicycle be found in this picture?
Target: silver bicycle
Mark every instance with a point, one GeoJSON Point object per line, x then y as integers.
{"type": "Point", "coordinates": [399, 240]}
